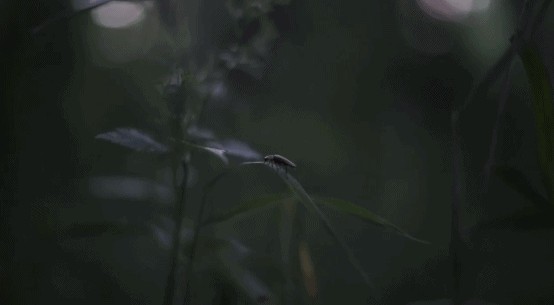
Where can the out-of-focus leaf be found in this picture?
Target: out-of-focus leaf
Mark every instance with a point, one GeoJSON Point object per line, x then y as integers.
{"type": "Point", "coordinates": [365, 215]}
{"type": "Point", "coordinates": [200, 133]}
{"type": "Point", "coordinates": [133, 139]}
{"type": "Point", "coordinates": [236, 148]}
{"type": "Point", "coordinates": [543, 105]}
{"type": "Point", "coordinates": [246, 208]}
{"type": "Point", "coordinates": [130, 188]}
{"type": "Point", "coordinates": [81, 5]}
{"type": "Point", "coordinates": [524, 219]}
{"type": "Point", "coordinates": [95, 229]}
{"type": "Point", "coordinates": [219, 153]}
{"type": "Point", "coordinates": [248, 9]}
{"type": "Point", "coordinates": [307, 269]}
{"type": "Point", "coordinates": [517, 181]}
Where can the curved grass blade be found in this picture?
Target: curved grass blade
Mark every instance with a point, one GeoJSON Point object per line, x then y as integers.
{"type": "Point", "coordinates": [543, 106]}
{"type": "Point", "coordinates": [134, 139]}
{"type": "Point", "coordinates": [365, 215]}
{"type": "Point", "coordinates": [246, 208]}
{"type": "Point", "coordinates": [297, 189]}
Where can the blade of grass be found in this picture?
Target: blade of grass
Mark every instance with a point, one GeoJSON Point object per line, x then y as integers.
{"type": "Point", "coordinates": [297, 189]}
{"type": "Point", "coordinates": [246, 208]}
{"type": "Point", "coordinates": [365, 215]}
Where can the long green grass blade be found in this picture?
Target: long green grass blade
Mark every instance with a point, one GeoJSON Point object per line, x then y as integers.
{"type": "Point", "coordinates": [365, 215]}
{"type": "Point", "coordinates": [543, 106]}
{"type": "Point", "coordinates": [297, 189]}
{"type": "Point", "coordinates": [247, 208]}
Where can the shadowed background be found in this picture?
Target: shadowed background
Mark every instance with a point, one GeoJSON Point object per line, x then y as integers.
{"type": "Point", "coordinates": [357, 93]}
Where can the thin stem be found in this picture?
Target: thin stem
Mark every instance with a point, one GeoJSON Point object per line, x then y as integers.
{"type": "Point", "coordinates": [176, 244]}
{"type": "Point", "coordinates": [195, 238]}
{"type": "Point", "coordinates": [504, 94]}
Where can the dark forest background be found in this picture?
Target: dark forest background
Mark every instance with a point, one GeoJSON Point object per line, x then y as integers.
{"type": "Point", "coordinates": [422, 133]}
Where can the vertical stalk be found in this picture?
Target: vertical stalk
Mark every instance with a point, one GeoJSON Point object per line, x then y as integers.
{"type": "Point", "coordinates": [197, 226]}
{"type": "Point", "coordinates": [455, 238]}
{"type": "Point", "coordinates": [176, 244]}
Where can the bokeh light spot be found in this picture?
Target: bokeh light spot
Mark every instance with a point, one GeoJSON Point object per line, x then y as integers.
{"type": "Point", "coordinates": [118, 14]}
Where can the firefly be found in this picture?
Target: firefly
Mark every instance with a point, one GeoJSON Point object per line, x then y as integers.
{"type": "Point", "coordinates": [279, 160]}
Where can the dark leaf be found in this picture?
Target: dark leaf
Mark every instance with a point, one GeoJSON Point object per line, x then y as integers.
{"type": "Point", "coordinates": [130, 188]}
{"type": "Point", "coordinates": [517, 181]}
{"type": "Point", "coordinates": [95, 229]}
{"type": "Point", "coordinates": [524, 219]}
{"type": "Point", "coordinates": [236, 148]}
{"type": "Point", "coordinates": [543, 105]}
{"type": "Point", "coordinates": [81, 5]}
{"type": "Point", "coordinates": [133, 139]}
{"type": "Point", "coordinates": [219, 153]}
{"type": "Point", "coordinates": [365, 215]}
{"type": "Point", "coordinates": [200, 133]}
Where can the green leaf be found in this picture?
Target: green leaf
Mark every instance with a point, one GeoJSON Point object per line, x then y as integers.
{"type": "Point", "coordinates": [297, 189]}
{"type": "Point", "coordinates": [134, 139]}
{"type": "Point", "coordinates": [525, 219]}
{"type": "Point", "coordinates": [517, 181]}
{"type": "Point", "coordinates": [219, 153]}
{"type": "Point", "coordinates": [247, 208]}
{"type": "Point", "coordinates": [543, 106]}
{"type": "Point", "coordinates": [365, 215]}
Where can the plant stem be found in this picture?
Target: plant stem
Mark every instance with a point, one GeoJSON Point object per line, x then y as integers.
{"type": "Point", "coordinates": [197, 226]}
{"type": "Point", "coordinates": [455, 237]}
{"type": "Point", "coordinates": [176, 244]}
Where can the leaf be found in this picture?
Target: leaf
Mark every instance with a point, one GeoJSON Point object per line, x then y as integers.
{"type": "Point", "coordinates": [81, 5]}
{"type": "Point", "coordinates": [133, 139]}
{"type": "Point", "coordinates": [200, 133]}
{"type": "Point", "coordinates": [246, 208]}
{"type": "Point", "coordinates": [524, 219]}
{"type": "Point", "coordinates": [95, 229]}
{"type": "Point", "coordinates": [517, 181]}
{"type": "Point", "coordinates": [130, 188]}
{"type": "Point", "coordinates": [219, 153]}
{"type": "Point", "coordinates": [297, 189]}
{"type": "Point", "coordinates": [543, 105]}
{"type": "Point", "coordinates": [365, 215]}
{"type": "Point", "coordinates": [236, 148]}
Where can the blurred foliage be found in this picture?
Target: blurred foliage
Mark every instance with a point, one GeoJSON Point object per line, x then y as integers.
{"type": "Point", "coordinates": [136, 132]}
